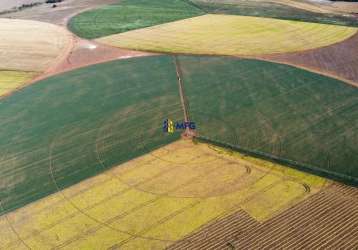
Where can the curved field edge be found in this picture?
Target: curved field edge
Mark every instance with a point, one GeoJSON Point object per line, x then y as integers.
{"type": "Point", "coordinates": [337, 60]}
{"type": "Point", "coordinates": [231, 35]}
{"type": "Point", "coordinates": [32, 45]}
{"type": "Point", "coordinates": [128, 15]}
{"type": "Point", "coordinates": [11, 81]}
{"type": "Point", "coordinates": [273, 9]}
{"type": "Point", "coordinates": [51, 130]}
{"type": "Point", "coordinates": [275, 111]}
{"type": "Point", "coordinates": [183, 186]}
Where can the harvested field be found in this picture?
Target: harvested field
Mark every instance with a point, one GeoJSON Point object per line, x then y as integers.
{"type": "Point", "coordinates": [93, 106]}
{"type": "Point", "coordinates": [154, 200]}
{"type": "Point", "coordinates": [275, 111]}
{"type": "Point", "coordinates": [58, 15]}
{"type": "Point", "coordinates": [300, 10]}
{"type": "Point", "coordinates": [12, 80]}
{"type": "Point", "coordinates": [326, 220]}
{"type": "Point", "coordinates": [128, 15]}
{"type": "Point", "coordinates": [231, 35]}
{"type": "Point", "coordinates": [86, 52]}
{"type": "Point", "coordinates": [30, 45]}
{"type": "Point", "coordinates": [338, 60]}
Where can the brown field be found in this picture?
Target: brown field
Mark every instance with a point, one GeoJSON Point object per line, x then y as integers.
{"type": "Point", "coordinates": [31, 46]}
{"type": "Point", "coordinates": [340, 59]}
{"type": "Point", "coordinates": [326, 220]}
{"type": "Point", "coordinates": [347, 7]}
{"type": "Point", "coordinates": [86, 52]}
{"type": "Point", "coordinates": [59, 15]}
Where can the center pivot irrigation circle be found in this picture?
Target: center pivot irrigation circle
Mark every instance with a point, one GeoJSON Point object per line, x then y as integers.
{"type": "Point", "coordinates": [198, 177]}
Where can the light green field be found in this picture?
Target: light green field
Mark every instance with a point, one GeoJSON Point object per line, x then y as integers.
{"type": "Point", "coordinates": [231, 35]}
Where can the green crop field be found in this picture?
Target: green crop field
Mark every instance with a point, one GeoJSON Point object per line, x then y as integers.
{"type": "Point", "coordinates": [128, 15]}
{"type": "Point", "coordinates": [275, 110]}
{"type": "Point", "coordinates": [75, 125]}
{"type": "Point", "coordinates": [270, 9]}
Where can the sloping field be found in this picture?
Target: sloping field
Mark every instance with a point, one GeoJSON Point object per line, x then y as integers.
{"type": "Point", "coordinates": [156, 199]}
{"type": "Point", "coordinates": [339, 60]}
{"type": "Point", "coordinates": [31, 45]}
{"type": "Point", "coordinates": [128, 15]}
{"type": "Point", "coordinates": [11, 80]}
{"type": "Point", "coordinates": [66, 128]}
{"type": "Point", "coordinates": [307, 11]}
{"type": "Point", "coordinates": [276, 111]}
{"type": "Point", "coordinates": [231, 35]}
{"type": "Point", "coordinates": [327, 220]}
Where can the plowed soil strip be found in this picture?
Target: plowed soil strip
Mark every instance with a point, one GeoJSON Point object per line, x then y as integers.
{"type": "Point", "coordinates": [328, 219]}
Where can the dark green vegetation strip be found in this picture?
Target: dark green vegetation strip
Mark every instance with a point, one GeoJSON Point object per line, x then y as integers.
{"type": "Point", "coordinates": [275, 111]}
{"type": "Point", "coordinates": [273, 10]}
{"type": "Point", "coordinates": [62, 130]}
{"type": "Point", "coordinates": [129, 15]}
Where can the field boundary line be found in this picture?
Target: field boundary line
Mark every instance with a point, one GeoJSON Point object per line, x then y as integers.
{"type": "Point", "coordinates": [348, 180]}
{"type": "Point", "coordinates": [191, 3]}
{"type": "Point", "coordinates": [266, 58]}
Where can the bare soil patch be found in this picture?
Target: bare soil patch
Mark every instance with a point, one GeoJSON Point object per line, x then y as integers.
{"type": "Point", "coordinates": [86, 52]}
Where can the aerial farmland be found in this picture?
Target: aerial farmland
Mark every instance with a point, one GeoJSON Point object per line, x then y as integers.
{"type": "Point", "coordinates": [178, 124]}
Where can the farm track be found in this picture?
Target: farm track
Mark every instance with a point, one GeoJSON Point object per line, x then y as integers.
{"type": "Point", "coordinates": [327, 220]}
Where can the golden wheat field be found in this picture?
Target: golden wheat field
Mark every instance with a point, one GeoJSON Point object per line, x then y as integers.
{"type": "Point", "coordinates": [155, 200]}
{"type": "Point", "coordinates": [231, 35]}
{"type": "Point", "coordinates": [30, 45]}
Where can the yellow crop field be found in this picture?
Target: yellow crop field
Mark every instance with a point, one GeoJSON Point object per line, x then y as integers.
{"type": "Point", "coordinates": [11, 80]}
{"type": "Point", "coordinates": [231, 35]}
{"type": "Point", "coordinates": [155, 200]}
{"type": "Point", "coordinates": [300, 4]}
{"type": "Point", "coordinates": [30, 45]}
